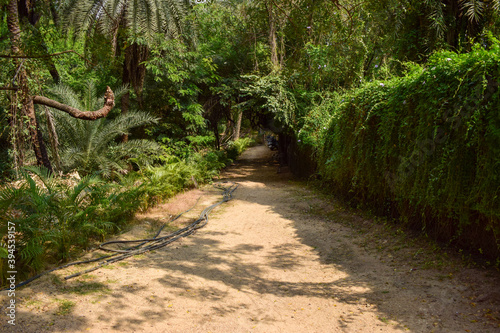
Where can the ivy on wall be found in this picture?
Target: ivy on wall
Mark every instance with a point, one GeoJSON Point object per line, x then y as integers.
{"type": "Point", "coordinates": [428, 141]}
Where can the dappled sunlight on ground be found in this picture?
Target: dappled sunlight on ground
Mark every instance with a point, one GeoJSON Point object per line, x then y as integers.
{"type": "Point", "coordinates": [275, 259]}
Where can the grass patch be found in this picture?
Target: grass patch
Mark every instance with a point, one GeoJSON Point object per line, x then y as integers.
{"type": "Point", "coordinates": [85, 288]}
{"type": "Point", "coordinates": [33, 303]}
{"type": "Point", "coordinates": [65, 307]}
{"type": "Point", "coordinates": [56, 280]}
{"type": "Point", "coordinates": [139, 256]}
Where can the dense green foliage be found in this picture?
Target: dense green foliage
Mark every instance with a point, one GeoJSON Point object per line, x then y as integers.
{"type": "Point", "coordinates": [92, 146]}
{"type": "Point", "coordinates": [425, 145]}
{"type": "Point", "coordinates": [54, 216]}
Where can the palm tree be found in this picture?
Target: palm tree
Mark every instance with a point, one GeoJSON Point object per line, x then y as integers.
{"type": "Point", "coordinates": [90, 146]}
{"type": "Point", "coordinates": [474, 10]}
{"type": "Point", "coordinates": [119, 19]}
{"type": "Point", "coordinates": [450, 18]}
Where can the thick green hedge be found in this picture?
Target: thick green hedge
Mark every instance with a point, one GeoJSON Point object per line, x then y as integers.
{"type": "Point", "coordinates": [424, 147]}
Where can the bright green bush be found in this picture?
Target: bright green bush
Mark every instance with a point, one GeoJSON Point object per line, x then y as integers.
{"type": "Point", "coordinates": [176, 173]}
{"type": "Point", "coordinates": [426, 144]}
{"type": "Point", "coordinates": [235, 148]}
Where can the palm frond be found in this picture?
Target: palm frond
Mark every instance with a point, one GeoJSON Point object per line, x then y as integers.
{"type": "Point", "coordinates": [496, 5]}
{"type": "Point", "coordinates": [436, 16]}
{"type": "Point", "coordinates": [9, 195]}
{"type": "Point", "coordinates": [121, 125]}
{"type": "Point", "coordinates": [143, 18]}
{"type": "Point", "coordinates": [66, 95]}
{"type": "Point", "coordinates": [473, 9]}
{"type": "Point", "coordinates": [44, 175]}
{"type": "Point", "coordinates": [136, 149]}
{"type": "Point", "coordinates": [74, 194]}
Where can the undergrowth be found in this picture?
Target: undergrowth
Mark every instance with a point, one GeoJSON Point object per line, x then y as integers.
{"type": "Point", "coordinates": [56, 218]}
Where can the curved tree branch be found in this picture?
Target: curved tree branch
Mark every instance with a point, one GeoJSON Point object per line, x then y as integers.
{"type": "Point", "coordinates": [109, 102]}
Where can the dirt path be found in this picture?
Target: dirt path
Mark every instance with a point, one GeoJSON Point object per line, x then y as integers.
{"type": "Point", "coordinates": [277, 258]}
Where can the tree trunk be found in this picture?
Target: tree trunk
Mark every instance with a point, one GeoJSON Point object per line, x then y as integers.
{"type": "Point", "coordinates": [125, 101]}
{"type": "Point", "coordinates": [272, 38]}
{"type": "Point", "coordinates": [28, 108]}
{"type": "Point", "coordinates": [134, 72]}
{"type": "Point", "coordinates": [282, 50]}
{"type": "Point", "coordinates": [453, 14]}
{"type": "Point", "coordinates": [215, 129]}
{"type": "Point", "coordinates": [54, 140]}
{"type": "Point", "coordinates": [237, 127]}
{"type": "Point", "coordinates": [16, 135]}
{"type": "Point", "coordinates": [256, 65]}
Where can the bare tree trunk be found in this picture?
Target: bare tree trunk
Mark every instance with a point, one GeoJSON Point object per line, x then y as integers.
{"type": "Point", "coordinates": [134, 72]}
{"type": "Point", "coordinates": [137, 55]}
{"type": "Point", "coordinates": [125, 101]}
{"type": "Point", "coordinates": [237, 127]}
{"type": "Point", "coordinates": [282, 50]}
{"type": "Point", "coordinates": [217, 137]}
{"type": "Point", "coordinates": [230, 129]}
{"type": "Point", "coordinates": [54, 140]}
{"type": "Point", "coordinates": [256, 66]}
{"type": "Point", "coordinates": [109, 103]}
{"type": "Point", "coordinates": [272, 37]}
{"type": "Point", "coordinates": [453, 13]}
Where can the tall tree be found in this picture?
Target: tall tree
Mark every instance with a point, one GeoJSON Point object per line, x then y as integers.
{"type": "Point", "coordinates": [130, 26]}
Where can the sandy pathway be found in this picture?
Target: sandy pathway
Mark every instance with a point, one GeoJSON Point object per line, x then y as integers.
{"type": "Point", "coordinates": [275, 259]}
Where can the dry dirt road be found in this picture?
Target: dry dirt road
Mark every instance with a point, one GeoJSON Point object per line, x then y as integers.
{"type": "Point", "coordinates": [277, 258]}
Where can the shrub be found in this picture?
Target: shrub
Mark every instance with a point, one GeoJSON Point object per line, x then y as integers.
{"type": "Point", "coordinates": [235, 148]}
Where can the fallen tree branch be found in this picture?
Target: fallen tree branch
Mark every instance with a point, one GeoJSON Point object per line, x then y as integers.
{"type": "Point", "coordinates": [109, 102]}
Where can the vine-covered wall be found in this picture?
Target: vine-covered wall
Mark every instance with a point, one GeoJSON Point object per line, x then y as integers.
{"type": "Point", "coordinates": [424, 147]}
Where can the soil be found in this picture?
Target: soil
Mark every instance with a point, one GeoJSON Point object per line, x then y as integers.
{"type": "Point", "coordinates": [279, 257]}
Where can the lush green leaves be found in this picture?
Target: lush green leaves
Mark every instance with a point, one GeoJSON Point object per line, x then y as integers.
{"type": "Point", "coordinates": [91, 146]}
{"type": "Point", "coordinates": [427, 141]}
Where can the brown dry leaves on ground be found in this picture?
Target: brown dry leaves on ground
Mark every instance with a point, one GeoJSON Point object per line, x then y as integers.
{"type": "Point", "coordinates": [277, 258]}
